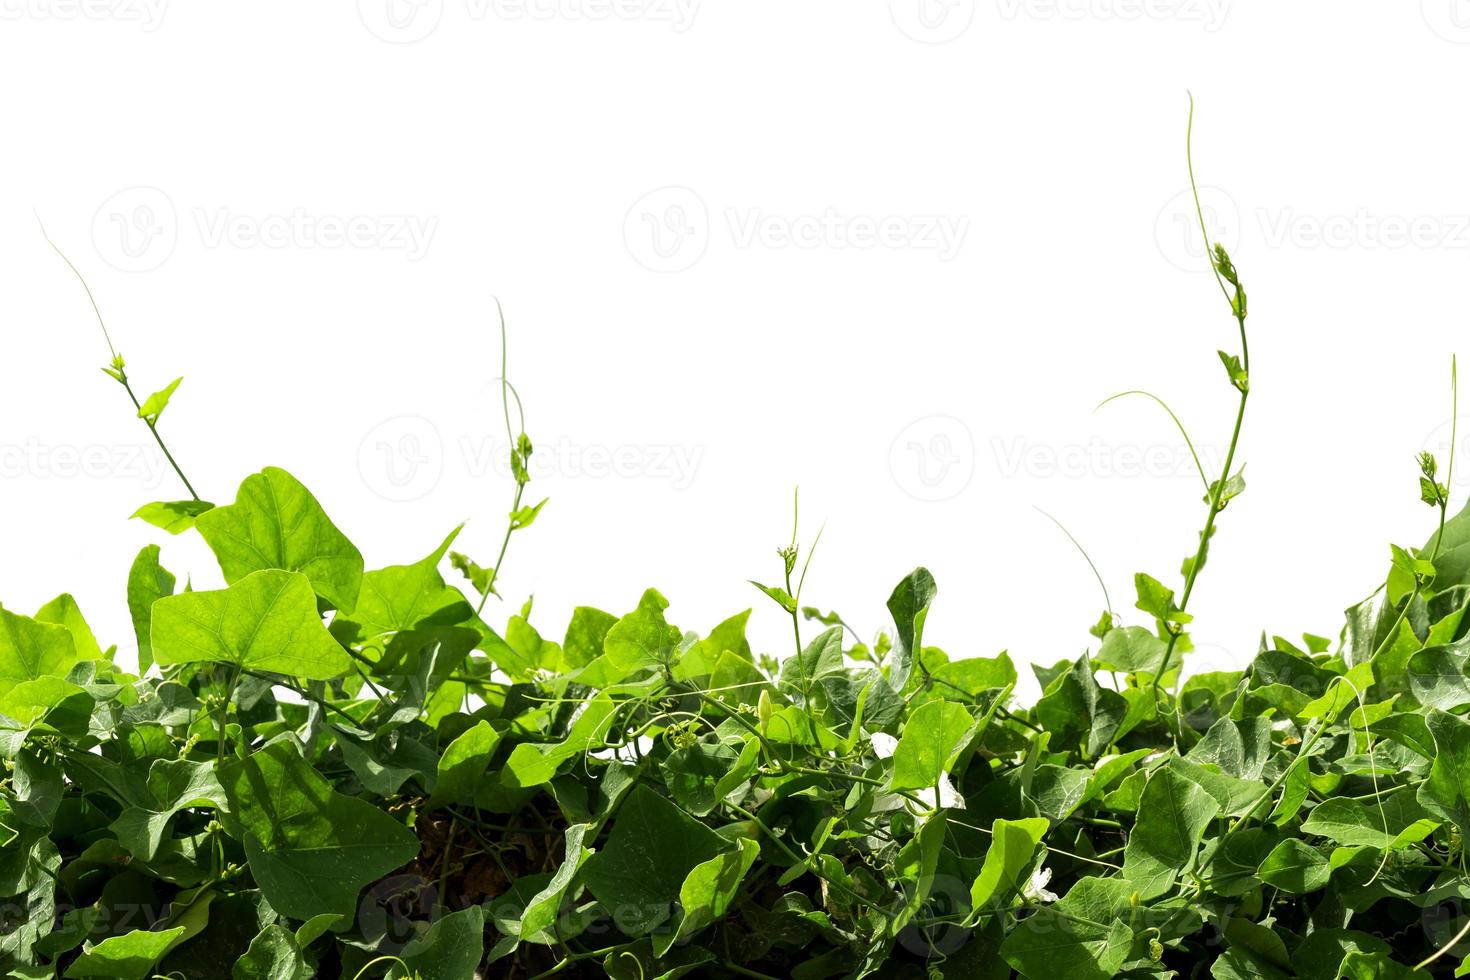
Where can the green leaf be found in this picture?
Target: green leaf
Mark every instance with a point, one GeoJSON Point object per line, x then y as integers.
{"type": "Point", "coordinates": [1437, 677]}
{"type": "Point", "coordinates": [275, 522]}
{"type": "Point", "coordinates": [1131, 650]}
{"type": "Point", "coordinates": [311, 849]}
{"type": "Point", "coordinates": [127, 957]}
{"type": "Point", "coordinates": [914, 867]}
{"type": "Point", "coordinates": [1446, 793]}
{"type": "Point", "coordinates": [976, 675]}
{"type": "Point", "coordinates": [1350, 822]}
{"type": "Point", "coordinates": [463, 764]}
{"type": "Point", "coordinates": [637, 961]}
{"type": "Point", "coordinates": [541, 910]}
{"type": "Point", "coordinates": [34, 659]}
{"type": "Point", "coordinates": [1233, 370]}
{"type": "Point", "coordinates": [173, 516]}
{"type": "Point", "coordinates": [1377, 966]}
{"type": "Point", "coordinates": [640, 640]}
{"type": "Point", "coordinates": [821, 658]}
{"type": "Point", "coordinates": [1084, 936]}
{"type": "Point", "coordinates": [1012, 847]}
{"type": "Point", "coordinates": [402, 597]}
{"type": "Point", "coordinates": [1172, 816]}
{"type": "Point", "coordinates": [1157, 600]}
{"type": "Point", "coordinates": [451, 949]}
{"type": "Point", "coordinates": [1451, 551]}
{"type": "Point", "coordinates": [267, 621]}
{"type": "Point", "coordinates": [932, 740]}
{"type": "Point", "coordinates": [1295, 867]}
{"type": "Point", "coordinates": [176, 784]}
{"type": "Point", "coordinates": [1320, 956]}
{"type": "Point", "coordinates": [523, 517]}
{"type": "Point", "coordinates": [155, 403]}
{"type": "Point", "coordinates": [148, 581]}
{"type": "Point", "coordinates": [707, 892]}
{"type": "Point", "coordinates": [1221, 494]}
{"type": "Point", "coordinates": [585, 635]}
{"type": "Point", "coordinates": [535, 764]}
{"type": "Point", "coordinates": [909, 606]}
{"type": "Point", "coordinates": [780, 596]}
{"type": "Point", "coordinates": [1076, 707]}
{"type": "Point", "coordinates": [273, 955]}
{"type": "Point", "coordinates": [693, 774]}
{"type": "Point", "coordinates": [639, 872]}
{"type": "Point", "coordinates": [63, 611]}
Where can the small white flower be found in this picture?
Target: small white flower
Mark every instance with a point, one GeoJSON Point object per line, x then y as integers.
{"type": "Point", "coordinates": [1035, 889]}
{"type": "Point", "coordinates": [883, 744]}
{"type": "Point", "coordinates": [949, 797]}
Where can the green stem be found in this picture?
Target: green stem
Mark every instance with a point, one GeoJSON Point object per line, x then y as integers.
{"type": "Point", "coordinates": [1216, 506]}
{"type": "Point", "coordinates": [121, 375]}
{"type": "Point", "coordinates": [515, 505]}
{"type": "Point", "coordinates": [510, 527]}
{"type": "Point", "coordinates": [153, 428]}
{"type": "Point", "coordinates": [224, 714]}
{"type": "Point", "coordinates": [1238, 309]}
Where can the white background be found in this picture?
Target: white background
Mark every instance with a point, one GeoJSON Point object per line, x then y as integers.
{"type": "Point", "coordinates": [688, 355]}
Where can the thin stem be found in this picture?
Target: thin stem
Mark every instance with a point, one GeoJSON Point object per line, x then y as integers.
{"type": "Point", "coordinates": [505, 393]}
{"type": "Point", "coordinates": [153, 428]}
{"type": "Point", "coordinates": [1216, 506]}
{"type": "Point", "coordinates": [224, 714]}
{"type": "Point", "coordinates": [1198, 466]}
{"type": "Point", "coordinates": [1445, 948]}
{"type": "Point", "coordinates": [1217, 491]}
{"type": "Point", "coordinates": [121, 375]}
{"type": "Point", "coordinates": [1204, 233]}
{"type": "Point", "coordinates": [1449, 473]}
{"type": "Point", "coordinates": [90, 298]}
{"type": "Point", "coordinates": [1107, 600]}
{"type": "Point", "coordinates": [795, 617]}
{"type": "Point", "coordinates": [515, 505]}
